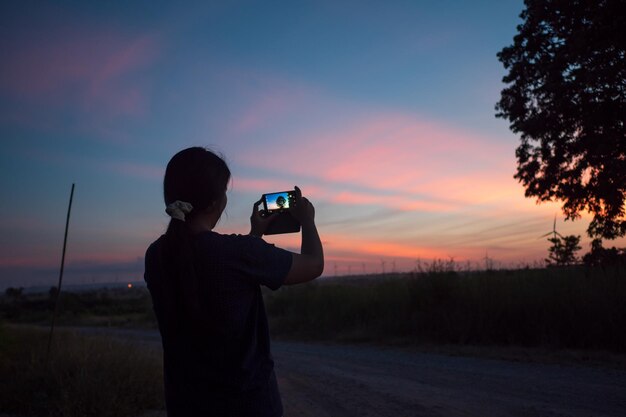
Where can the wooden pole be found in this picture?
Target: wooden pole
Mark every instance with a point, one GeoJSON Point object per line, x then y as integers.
{"type": "Point", "coordinates": [58, 292]}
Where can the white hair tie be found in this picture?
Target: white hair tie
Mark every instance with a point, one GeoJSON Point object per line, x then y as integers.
{"type": "Point", "coordinates": [178, 209]}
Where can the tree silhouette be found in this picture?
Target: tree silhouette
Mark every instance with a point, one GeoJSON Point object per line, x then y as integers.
{"type": "Point", "coordinates": [563, 250]}
{"type": "Point", "coordinates": [601, 256]}
{"type": "Point", "coordinates": [566, 97]}
{"type": "Point", "coordinates": [14, 293]}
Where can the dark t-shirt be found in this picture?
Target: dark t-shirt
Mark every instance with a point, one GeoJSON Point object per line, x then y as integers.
{"type": "Point", "coordinates": [219, 363]}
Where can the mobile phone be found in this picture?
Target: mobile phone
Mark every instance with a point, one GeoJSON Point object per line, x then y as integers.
{"type": "Point", "coordinates": [278, 204]}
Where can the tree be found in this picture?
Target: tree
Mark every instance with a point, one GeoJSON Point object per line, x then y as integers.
{"type": "Point", "coordinates": [563, 250]}
{"type": "Point", "coordinates": [601, 256]}
{"type": "Point", "coordinates": [14, 293]}
{"type": "Point", "coordinates": [566, 97]}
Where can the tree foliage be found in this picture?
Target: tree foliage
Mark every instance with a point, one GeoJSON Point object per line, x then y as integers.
{"type": "Point", "coordinates": [14, 293]}
{"type": "Point", "coordinates": [606, 257]}
{"type": "Point", "coordinates": [563, 250]}
{"type": "Point", "coordinates": [566, 97]}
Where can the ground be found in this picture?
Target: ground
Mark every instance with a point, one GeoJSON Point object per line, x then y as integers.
{"type": "Point", "coordinates": [342, 380]}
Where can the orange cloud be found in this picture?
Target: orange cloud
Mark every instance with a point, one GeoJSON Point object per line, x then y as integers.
{"type": "Point", "coordinates": [393, 154]}
{"type": "Point", "coordinates": [397, 187]}
{"type": "Point", "coordinates": [396, 250]}
{"type": "Point", "coordinates": [398, 201]}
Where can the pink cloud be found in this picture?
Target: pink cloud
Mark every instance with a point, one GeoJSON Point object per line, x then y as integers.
{"type": "Point", "coordinates": [107, 257]}
{"type": "Point", "coordinates": [267, 100]}
{"type": "Point", "coordinates": [391, 162]}
{"type": "Point", "coordinates": [423, 165]}
{"type": "Point", "coordinates": [86, 70]}
{"type": "Point", "coordinates": [46, 261]}
{"type": "Point", "coordinates": [401, 202]}
{"type": "Point", "coordinates": [134, 53]}
{"type": "Point", "coordinates": [27, 261]}
{"type": "Point", "coordinates": [261, 112]}
{"type": "Point", "coordinates": [352, 250]}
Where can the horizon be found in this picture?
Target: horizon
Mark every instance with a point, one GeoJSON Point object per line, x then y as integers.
{"type": "Point", "coordinates": [135, 280]}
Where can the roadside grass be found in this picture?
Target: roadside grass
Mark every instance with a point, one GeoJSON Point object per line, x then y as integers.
{"type": "Point", "coordinates": [105, 307]}
{"type": "Point", "coordinates": [85, 376]}
{"type": "Point", "coordinates": [554, 308]}
{"type": "Point", "coordinates": [571, 308]}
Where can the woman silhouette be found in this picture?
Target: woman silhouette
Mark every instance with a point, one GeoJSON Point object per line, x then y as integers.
{"type": "Point", "coordinates": [206, 293]}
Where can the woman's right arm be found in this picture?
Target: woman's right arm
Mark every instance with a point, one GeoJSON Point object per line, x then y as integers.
{"type": "Point", "coordinates": [309, 263]}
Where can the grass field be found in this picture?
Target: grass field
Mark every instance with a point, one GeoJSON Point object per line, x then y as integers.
{"type": "Point", "coordinates": [83, 376]}
{"type": "Point", "coordinates": [119, 307]}
{"type": "Point", "coordinates": [570, 308]}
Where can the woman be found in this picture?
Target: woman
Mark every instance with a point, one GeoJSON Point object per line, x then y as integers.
{"type": "Point", "coordinates": [206, 293]}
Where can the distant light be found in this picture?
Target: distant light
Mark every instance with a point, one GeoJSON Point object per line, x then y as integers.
{"type": "Point", "coordinates": [130, 285]}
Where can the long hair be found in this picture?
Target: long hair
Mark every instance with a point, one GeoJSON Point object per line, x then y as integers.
{"type": "Point", "coordinates": [199, 177]}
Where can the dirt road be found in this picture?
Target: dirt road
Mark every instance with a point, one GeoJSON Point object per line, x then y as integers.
{"type": "Point", "coordinates": [338, 380]}
{"type": "Point", "coordinates": [322, 380]}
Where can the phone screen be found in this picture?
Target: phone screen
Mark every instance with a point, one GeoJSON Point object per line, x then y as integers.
{"type": "Point", "coordinates": [278, 201]}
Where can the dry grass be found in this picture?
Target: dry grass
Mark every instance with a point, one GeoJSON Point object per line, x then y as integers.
{"type": "Point", "coordinates": [550, 308]}
{"type": "Point", "coordinates": [85, 376]}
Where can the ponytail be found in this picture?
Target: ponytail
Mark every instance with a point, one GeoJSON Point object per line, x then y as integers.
{"type": "Point", "coordinates": [196, 177]}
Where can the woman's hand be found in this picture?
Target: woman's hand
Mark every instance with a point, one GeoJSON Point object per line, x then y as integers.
{"type": "Point", "coordinates": [303, 210]}
{"type": "Point", "coordinates": [309, 263]}
{"type": "Point", "coordinates": [259, 222]}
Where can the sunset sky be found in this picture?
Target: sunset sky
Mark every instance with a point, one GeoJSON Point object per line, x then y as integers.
{"type": "Point", "coordinates": [382, 112]}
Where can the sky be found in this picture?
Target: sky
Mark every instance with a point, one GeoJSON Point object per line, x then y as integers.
{"type": "Point", "coordinates": [381, 112]}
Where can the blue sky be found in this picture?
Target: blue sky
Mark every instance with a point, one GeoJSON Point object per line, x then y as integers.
{"type": "Point", "coordinates": [382, 112]}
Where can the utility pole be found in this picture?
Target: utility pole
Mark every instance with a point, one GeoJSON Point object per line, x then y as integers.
{"type": "Point", "coordinates": [58, 292]}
